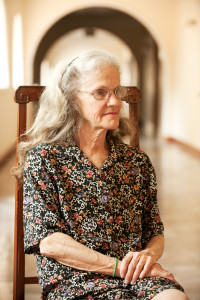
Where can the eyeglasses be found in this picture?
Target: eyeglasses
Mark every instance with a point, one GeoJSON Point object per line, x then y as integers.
{"type": "Point", "coordinates": [104, 93]}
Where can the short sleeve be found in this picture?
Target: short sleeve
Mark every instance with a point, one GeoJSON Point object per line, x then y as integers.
{"type": "Point", "coordinates": [151, 221]}
{"type": "Point", "coordinates": [41, 210]}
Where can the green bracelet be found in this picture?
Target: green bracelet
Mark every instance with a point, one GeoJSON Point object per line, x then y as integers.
{"type": "Point", "coordinates": [115, 267]}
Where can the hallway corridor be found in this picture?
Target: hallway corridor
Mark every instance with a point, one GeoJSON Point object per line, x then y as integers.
{"type": "Point", "coordinates": [178, 175]}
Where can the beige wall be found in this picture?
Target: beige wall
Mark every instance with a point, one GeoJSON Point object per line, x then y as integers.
{"type": "Point", "coordinates": [186, 88]}
{"type": "Point", "coordinates": [175, 24]}
{"type": "Point", "coordinates": [8, 109]}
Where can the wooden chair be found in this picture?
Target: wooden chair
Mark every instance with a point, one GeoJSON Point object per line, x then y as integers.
{"type": "Point", "coordinates": [24, 95]}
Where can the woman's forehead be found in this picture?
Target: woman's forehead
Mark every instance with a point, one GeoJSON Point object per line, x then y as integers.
{"type": "Point", "coordinates": [102, 76]}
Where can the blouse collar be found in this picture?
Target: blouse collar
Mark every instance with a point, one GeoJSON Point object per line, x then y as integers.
{"type": "Point", "coordinates": [71, 150]}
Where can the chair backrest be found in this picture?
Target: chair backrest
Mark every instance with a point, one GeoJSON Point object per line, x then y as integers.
{"type": "Point", "coordinates": [24, 95]}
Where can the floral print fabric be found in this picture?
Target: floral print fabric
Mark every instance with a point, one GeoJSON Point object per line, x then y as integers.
{"type": "Point", "coordinates": [105, 287]}
{"type": "Point", "coordinates": [112, 210]}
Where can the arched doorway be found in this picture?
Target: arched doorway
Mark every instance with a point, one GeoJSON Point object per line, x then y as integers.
{"type": "Point", "coordinates": [90, 38]}
{"type": "Point", "coordinates": [137, 38]}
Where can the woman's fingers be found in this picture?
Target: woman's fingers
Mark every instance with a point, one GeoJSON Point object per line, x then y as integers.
{"type": "Point", "coordinates": [125, 264]}
{"type": "Point", "coordinates": [135, 265]}
{"type": "Point", "coordinates": [131, 269]}
{"type": "Point", "coordinates": [138, 268]}
{"type": "Point", "coordinates": [146, 267]}
{"type": "Point", "coordinates": [157, 270]}
{"type": "Point", "coordinates": [168, 275]}
{"type": "Point", "coordinates": [139, 265]}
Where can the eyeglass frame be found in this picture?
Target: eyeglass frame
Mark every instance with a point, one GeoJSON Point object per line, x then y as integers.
{"type": "Point", "coordinates": [108, 92]}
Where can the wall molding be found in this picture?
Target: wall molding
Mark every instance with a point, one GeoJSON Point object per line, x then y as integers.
{"type": "Point", "coordinates": [184, 146]}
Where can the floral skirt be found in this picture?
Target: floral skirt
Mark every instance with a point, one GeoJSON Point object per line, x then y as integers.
{"type": "Point", "coordinates": [112, 288]}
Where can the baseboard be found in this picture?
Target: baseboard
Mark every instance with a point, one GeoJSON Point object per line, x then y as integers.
{"type": "Point", "coordinates": [6, 157]}
{"type": "Point", "coordinates": [185, 146]}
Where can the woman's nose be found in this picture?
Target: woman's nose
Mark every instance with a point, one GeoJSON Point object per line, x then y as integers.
{"type": "Point", "coordinates": [112, 99]}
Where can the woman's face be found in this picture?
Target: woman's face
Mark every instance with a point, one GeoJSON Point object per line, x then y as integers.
{"type": "Point", "coordinates": [98, 114]}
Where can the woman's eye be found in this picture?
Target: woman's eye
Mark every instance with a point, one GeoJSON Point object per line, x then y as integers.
{"type": "Point", "coordinates": [101, 92]}
{"type": "Point", "coordinates": [119, 89]}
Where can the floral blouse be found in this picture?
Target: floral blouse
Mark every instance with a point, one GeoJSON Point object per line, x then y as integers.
{"type": "Point", "coordinates": [112, 210]}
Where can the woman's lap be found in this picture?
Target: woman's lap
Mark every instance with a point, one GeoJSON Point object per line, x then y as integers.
{"type": "Point", "coordinates": [144, 289]}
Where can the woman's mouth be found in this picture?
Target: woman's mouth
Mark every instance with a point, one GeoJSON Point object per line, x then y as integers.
{"type": "Point", "coordinates": [111, 113]}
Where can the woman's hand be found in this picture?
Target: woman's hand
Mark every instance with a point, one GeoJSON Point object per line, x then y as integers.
{"type": "Point", "coordinates": [157, 270]}
{"type": "Point", "coordinates": [137, 265]}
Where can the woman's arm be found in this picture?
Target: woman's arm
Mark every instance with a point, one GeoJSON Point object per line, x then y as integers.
{"type": "Point", "coordinates": [137, 264]}
{"type": "Point", "coordinates": [69, 252]}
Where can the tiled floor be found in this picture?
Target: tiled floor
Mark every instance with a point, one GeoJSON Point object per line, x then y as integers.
{"type": "Point", "coordinates": [178, 174]}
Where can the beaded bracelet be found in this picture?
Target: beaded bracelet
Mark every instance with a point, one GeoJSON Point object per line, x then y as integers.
{"type": "Point", "coordinates": [115, 267]}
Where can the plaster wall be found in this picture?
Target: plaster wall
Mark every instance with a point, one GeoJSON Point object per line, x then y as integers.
{"type": "Point", "coordinates": [186, 90]}
{"type": "Point", "coordinates": [8, 109]}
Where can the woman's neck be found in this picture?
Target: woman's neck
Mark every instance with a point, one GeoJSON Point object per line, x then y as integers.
{"type": "Point", "coordinates": [93, 143]}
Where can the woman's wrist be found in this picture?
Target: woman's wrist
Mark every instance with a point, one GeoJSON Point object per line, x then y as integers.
{"type": "Point", "coordinates": [117, 272]}
{"type": "Point", "coordinates": [115, 267]}
{"type": "Point", "coordinates": [155, 247]}
{"type": "Point", "coordinates": [151, 253]}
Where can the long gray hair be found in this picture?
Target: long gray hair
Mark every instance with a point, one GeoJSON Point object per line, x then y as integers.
{"type": "Point", "coordinates": [58, 117]}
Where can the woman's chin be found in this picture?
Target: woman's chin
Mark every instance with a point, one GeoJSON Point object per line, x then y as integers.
{"type": "Point", "coordinates": [113, 125]}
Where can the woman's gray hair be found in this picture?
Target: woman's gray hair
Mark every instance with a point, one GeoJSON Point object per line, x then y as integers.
{"type": "Point", "coordinates": [58, 117]}
{"type": "Point", "coordinates": [83, 65]}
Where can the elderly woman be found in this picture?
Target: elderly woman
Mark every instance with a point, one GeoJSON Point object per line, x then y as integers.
{"type": "Point", "coordinates": [90, 209]}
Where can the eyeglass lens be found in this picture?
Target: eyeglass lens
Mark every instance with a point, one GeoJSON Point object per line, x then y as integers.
{"type": "Point", "coordinates": [102, 94]}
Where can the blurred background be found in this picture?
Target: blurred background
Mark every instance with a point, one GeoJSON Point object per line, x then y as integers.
{"type": "Point", "coordinates": [158, 45]}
